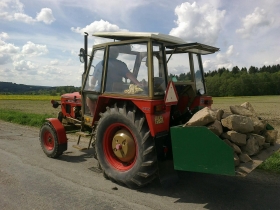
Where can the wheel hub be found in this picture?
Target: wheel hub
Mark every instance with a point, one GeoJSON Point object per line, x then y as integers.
{"type": "Point", "coordinates": [123, 146]}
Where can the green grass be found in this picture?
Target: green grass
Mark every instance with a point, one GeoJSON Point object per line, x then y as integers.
{"type": "Point", "coordinates": [29, 97]}
{"type": "Point", "coordinates": [272, 163]}
{"type": "Point", "coordinates": [22, 118]}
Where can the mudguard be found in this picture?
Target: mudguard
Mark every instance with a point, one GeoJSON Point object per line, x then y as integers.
{"type": "Point", "coordinates": [60, 130]}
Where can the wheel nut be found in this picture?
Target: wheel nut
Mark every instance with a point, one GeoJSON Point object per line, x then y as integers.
{"type": "Point", "coordinates": [118, 146]}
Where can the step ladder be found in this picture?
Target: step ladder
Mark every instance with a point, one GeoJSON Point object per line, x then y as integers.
{"type": "Point", "coordinates": [83, 134]}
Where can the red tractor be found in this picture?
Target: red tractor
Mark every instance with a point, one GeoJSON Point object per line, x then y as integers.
{"type": "Point", "coordinates": [136, 90]}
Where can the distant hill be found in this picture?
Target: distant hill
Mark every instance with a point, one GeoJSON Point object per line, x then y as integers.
{"type": "Point", "coordinates": [9, 87]}
{"type": "Point", "coordinates": [13, 88]}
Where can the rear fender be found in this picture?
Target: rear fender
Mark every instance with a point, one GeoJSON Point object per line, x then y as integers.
{"type": "Point", "coordinates": [60, 130]}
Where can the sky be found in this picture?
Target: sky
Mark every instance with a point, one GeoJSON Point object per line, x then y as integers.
{"type": "Point", "coordinates": [40, 40]}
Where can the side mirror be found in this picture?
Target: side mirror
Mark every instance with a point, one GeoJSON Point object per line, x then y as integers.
{"type": "Point", "coordinates": [82, 55]}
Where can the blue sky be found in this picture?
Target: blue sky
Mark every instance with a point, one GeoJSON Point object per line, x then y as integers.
{"type": "Point", "coordinates": [40, 40]}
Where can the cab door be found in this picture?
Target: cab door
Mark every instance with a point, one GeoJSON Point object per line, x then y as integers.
{"type": "Point", "coordinates": [93, 84]}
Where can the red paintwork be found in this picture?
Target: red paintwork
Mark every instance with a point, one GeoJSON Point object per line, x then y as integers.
{"type": "Point", "coordinates": [199, 101]}
{"type": "Point", "coordinates": [108, 151]}
{"type": "Point", "coordinates": [146, 106]}
{"type": "Point", "coordinates": [68, 99]}
{"type": "Point", "coordinates": [48, 140]}
{"type": "Point", "coordinates": [60, 131]}
{"type": "Point", "coordinates": [202, 101]}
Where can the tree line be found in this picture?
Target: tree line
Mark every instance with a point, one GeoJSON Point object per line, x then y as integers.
{"type": "Point", "coordinates": [244, 82]}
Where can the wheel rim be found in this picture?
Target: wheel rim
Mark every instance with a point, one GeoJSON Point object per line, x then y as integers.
{"type": "Point", "coordinates": [120, 147]}
{"type": "Point", "coordinates": [48, 140]}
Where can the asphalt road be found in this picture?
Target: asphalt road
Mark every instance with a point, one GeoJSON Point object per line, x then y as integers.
{"type": "Point", "coordinates": [30, 180]}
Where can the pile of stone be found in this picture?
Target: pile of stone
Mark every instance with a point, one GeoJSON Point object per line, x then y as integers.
{"type": "Point", "coordinates": [241, 129]}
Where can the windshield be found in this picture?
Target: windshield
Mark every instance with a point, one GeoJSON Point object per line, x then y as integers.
{"type": "Point", "coordinates": [127, 72]}
{"type": "Point", "coordinates": [179, 67]}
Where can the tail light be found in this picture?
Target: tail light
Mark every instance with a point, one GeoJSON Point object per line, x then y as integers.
{"type": "Point", "coordinates": [160, 108]}
{"type": "Point", "coordinates": [206, 102]}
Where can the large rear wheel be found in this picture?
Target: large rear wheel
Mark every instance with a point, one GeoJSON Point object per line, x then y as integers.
{"type": "Point", "coordinates": [125, 149]}
{"type": "Point", "coordinates": [49, 141]}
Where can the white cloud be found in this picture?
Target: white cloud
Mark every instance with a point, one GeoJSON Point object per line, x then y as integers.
{"type": "Point", "coordinates": [13, 10]}
{"type": "Point", "coordinates": [54, 62]}
{"type": "Point", "coordinates": [97, 26]}
{"type": "Point", "coordinates": [8, 48]}
{"type": "Point", "coordinates": [24, 65]}
{"type": "Point", "coordinates": [4, 36]}
{"type": "Point", "coordinates": [198, 23]}
{"type": "Point", "coordinates": [252, 22]}
{"type": "Point", "coordinates": [34, 49]}
{"type": "Point", "coordinates": [221, 60]}
{"type": "Point", "coordinates": [23, 18]}
{"type": "Point", "coordinates": [4, 58]}
{"type": "Point", "coordinates": [46, 16]}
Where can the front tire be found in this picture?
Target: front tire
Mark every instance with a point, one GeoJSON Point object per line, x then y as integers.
{"type": "Point", "coordinates": [49, 141]}
{"type": "Point", "coordinates": [124, 147]}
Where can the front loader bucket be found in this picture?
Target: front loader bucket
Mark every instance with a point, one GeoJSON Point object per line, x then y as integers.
{"type": "Point", "coordinates": [198, 149]}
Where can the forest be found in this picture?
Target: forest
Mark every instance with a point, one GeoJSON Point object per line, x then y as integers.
{"type": "Point", "coordinates": [222, 82]}
{"type": "Point", "coordinates": [244, 82]}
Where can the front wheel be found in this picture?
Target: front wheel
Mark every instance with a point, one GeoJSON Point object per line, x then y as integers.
{"type": "Point", "coordinates": [49, 141]}
{"type": "Point", "coordinates": [125, 149]}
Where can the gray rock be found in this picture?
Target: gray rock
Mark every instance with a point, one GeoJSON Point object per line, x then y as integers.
{"type": "Point", "coordinates": [238, 123]}
{"type": "Point", "coordinates": [236, 160]}
{"type": "Point", "coordinates": [226, 114]}
{"type": "Point", "coordinates": [202, 117]}
{"type": "Point", "coordinates": [252, 147]}
{"type": "Point", "coordinates": [236, 149]}
{"type": "Point", "coordinates": [259, 126]}
{"type": "Point", "coordinates": [266, 145]}
{"type": "Point", "coordinates": [240, 110]}
{"type": "Point", "coordinates": [248, 106]}
{"type": "Point", "coordinates": [216, 127]}
{"type": "Point", "coordinates": [271, 136]}
{"type": "Point", "coordinates": [244, 158]}
{"type": "Point", "coordinates": [225, 136]}
{"type": "Point", "coordinates": [260, 139]}
{"type": "Point", "coordinates": [219, 114]}
{"type": "Point", "coordinates": [237, 138]}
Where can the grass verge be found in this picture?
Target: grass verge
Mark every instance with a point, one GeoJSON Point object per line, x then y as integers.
{"type": "Point", "coordinates": [272, 163]}
{"type": "Point", "coordinates": [22, 118]}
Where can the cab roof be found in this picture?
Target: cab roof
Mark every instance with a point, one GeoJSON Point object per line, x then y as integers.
{"type": "Point", "coordinates": [124, 35]}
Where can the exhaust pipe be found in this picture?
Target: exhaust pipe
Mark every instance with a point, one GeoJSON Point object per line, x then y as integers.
{"type": "Point", "coordinates": [86, 50]}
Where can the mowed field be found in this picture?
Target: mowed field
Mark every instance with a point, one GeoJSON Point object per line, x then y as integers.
{"type": "Point", "coordinates": [29, 104]}
{"type": "Point", "coordinates": [267, 107]}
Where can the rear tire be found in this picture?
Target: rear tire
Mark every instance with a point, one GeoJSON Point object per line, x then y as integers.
{"type": "Point", "coordinates": [49, 141]}
{"type": "Point", "coordinates": [132, 161]}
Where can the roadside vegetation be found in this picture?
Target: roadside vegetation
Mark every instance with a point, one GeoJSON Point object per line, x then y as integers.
{"type": "Point", "coordinates": [22, 118]}
{"type": "Point", "coordinates": [32, 110]}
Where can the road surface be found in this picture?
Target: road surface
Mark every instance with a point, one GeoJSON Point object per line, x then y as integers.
{"type": "Point", "coordinates": [30, 180]}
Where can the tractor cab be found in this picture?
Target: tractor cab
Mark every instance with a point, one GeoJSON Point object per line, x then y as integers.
{"type": "Point", "coordinates": [138, 67]}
